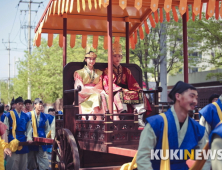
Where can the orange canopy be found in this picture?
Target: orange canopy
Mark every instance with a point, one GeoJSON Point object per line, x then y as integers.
{"type": "Point", "coordinates": [89, 17]}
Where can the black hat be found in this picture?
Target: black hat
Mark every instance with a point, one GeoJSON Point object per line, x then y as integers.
{"type": "Point", "coordinates": [213, 96]}
{"type": "Point", "coordinates": [27, 101]}
{"type": "Point", "coordinates": [38, 100]}
{"type": "Point", "coordinates": [13, 101]}
{"type": "Point", "coordinates": [180, 87]}
{"type": "Point", "coordinates": [18, 100]}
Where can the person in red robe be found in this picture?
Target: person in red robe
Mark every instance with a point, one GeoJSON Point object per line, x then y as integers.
{"type": "Point", "coordinates": [126, 90]}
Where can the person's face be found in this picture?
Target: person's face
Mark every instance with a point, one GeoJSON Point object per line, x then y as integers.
{"type": "Point", "coordinates": [52, 113]}
{"type": "Point", "coordinates": [188, 99]}
{"type": "Point", "coordinates": [18, 106]}
{"type": "Point", "coordinates": [13, 106]}
{"type": "Point", "coordinates": [117, 59]}
{"type": "Point", "coordinates": [39, 107]}
{"type": "Point", "coordinates": [28, 106]}
{"type": "Point", "coordinates": [6, 107]}
{"type": "Point", "coordinates": [214, 100]}
{"type": "Point", "coordinates": [90, 61]}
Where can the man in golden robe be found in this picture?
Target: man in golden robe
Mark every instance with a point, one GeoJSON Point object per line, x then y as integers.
{"type": "Point", "coordinates": [126, 90]}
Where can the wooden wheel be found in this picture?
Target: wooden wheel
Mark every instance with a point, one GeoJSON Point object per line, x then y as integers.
{"type": "Point", "coordinates": [65, 155]}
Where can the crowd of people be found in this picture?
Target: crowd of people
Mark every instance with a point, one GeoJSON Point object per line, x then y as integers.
{"type": "Point", "coordinates": [21, 123]}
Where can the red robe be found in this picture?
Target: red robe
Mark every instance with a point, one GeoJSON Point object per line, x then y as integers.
{"type": "Point", "coordinates": [125, 87]}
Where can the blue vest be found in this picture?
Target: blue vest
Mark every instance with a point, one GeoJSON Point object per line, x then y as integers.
{"type": "Point", "coordinates": [21, 124]}
{"type": "Point", "coordinates": [218, 131]}
{"type": "Point", "coordinates": [50, 118]}
{"type": "Point", "coordinates": [3, 116]}
{"type": "Point", "coordinates": [40, 130]}
{"type": "Point", "coordinates": [194, 134]}
{"type": "Point", "coordinates": [209, 112]}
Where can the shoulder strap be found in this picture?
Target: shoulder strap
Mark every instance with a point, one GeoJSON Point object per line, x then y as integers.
{"type": "Point", "coordinates": [13, 123]}
{"type": "Point", "coordinates": [218, 110]}
{"type": "Point", "coordinates": [34, 127]}
{"type": "Point", "coordinates": [165, 164]}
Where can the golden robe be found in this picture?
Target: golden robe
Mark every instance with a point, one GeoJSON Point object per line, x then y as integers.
{"type": "Point", "coordinates": [92, 98]}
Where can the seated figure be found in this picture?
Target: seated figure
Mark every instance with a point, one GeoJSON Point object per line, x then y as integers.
{"type": "Point", "coordinates": [92, 98]}
{"type": "Point", "coordinates": [126, 90]}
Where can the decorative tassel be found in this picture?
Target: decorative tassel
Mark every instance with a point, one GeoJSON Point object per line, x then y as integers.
{"type": "Point", "coordinates": [154, 5]}
{"type": "Point", "coordinates": [183, 6]}
{"type": "Point", "coordinates": [167, 5]}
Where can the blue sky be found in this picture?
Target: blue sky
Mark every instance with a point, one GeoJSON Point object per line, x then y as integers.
{"type": "Point", "coordinates": [10, 14]}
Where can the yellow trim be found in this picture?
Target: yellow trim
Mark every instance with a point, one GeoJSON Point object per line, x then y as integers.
{"type": "Point", "coordinates": [165, 164]}
{"type": "Point", "coordinates": [34, 127]}
{"type": "Point", "coordinates": [13, 123]}
{"type": "Point", "coordinates": [219, 112]}
{"type": "Point", "coordinates": [49, 134]}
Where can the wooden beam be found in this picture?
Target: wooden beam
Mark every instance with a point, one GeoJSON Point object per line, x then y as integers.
{"type": "Point", "coordinates": [82, 32]}
{"type": "Point", "coordinates": [64, 41]}
{"type": "Point", "coordinates": [127, 42]}
{"type": "Point", "coordinates": [185, 48]}
{"type": "Point", "coordinates": [110, 59]}
{"type": "Point", "coordinates": [122, 151]}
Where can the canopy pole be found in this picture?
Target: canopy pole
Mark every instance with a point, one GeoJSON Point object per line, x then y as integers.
{"type": "Point", "coordinates": [110, 60]}
{"type": "Point", "coordinates": [185, 48]}
{"type": "Point", "coordinates": [64, 41]}
{"type": "Point", "coordinates": [127, 42]}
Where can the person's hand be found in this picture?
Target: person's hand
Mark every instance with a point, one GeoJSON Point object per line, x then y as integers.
{"type": "Point", "coordinates": [29, 141]}
{"type": "Point", "coordinates": [8, 152]}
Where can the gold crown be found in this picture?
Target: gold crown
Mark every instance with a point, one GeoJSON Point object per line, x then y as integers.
{"type": "Point", "coordinates": [91, 55]}
{"type": "Point", "coordinates": [117, 48]}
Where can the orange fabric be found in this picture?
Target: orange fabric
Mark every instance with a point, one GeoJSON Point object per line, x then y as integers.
{"type": "Point", "coordinates": [84, 40]}
{"type": "Point", "coordinates": [141, 33]}
{"type": "Point", "coordinates": [220, 10]}
{"type": "Point", "coordinates": [175, 13]}
{"type": "Point", "coordinates": [135, 37]}
{"type": "Point", "coordinates": [183, 6]}
{"type": "Point", "coordinates": [78, 6]}
{"type": "Point", "coordinates": [152, 21]}
{"type": "Point", "coordinates": [193, 15]}
{"type": "Point", "coordinates": [38, 40]}
{"type": "Point", "coordinates": [187, 12]}
{"type": "Point", "coordinates": [83, 5]}
{"type": "Point", "coordinates": [105, 3]}
{"type": "Point", "coordinates": [146, 27]}
{"type": "Point", "coordinates": [168, 17]}
{"type": "Point", "coordinates": [117, 39]}
{"type": "Point", "coordinates": [217, 10]}
{"type": "Point", "coordinates": [138, 4]}
{"type": "Point", "coordinates": [61, 40]}
{"type": "Point", "coordinates": [206, 15]}
{"type": "Point", "coordinates": [156, 16]}
{"type": "Point", "coordinates": [50, 39]}
{"type": "Point", "coordinates": [100, 3]}
{"type": "Point", "coordinates": [161, 14]}
{"type": "Point", "coordinates": [154, 5]}
{"type": "Point", "coordinates": [167, 5]}
{"type": "Point", "coordinates": [95, 41]}
{"type": "Point", "coordinates": [196, 7]}
{"type": "Point", "coordinates": [95, 4]}
{"type": "Point", "coordinates": [105, 45]}
{"type": "Point", "coordinates": [211, 7]}
{"type": "Point", "coordinates": [72, 40]}
{"type": "Point", "coordinates": [59, 5]}
{"type": "Point", "coordinates": [132, 42]}
{"type": "Point", "coordinates": [200, 16]}
{"type": "Point", "coordinates": [90, 4]}
{"type": "Point", "coordinates": [123, 3]}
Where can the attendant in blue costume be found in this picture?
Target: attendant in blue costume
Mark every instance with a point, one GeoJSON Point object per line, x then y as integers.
{"type": "Point", "coordinates": [19, 129]}
{"type": "Point", "coordinates": [215, 141]}
{"type": "Point", "coordinates": [40, 125]}
{"type": "Point", "coordinates": [209, 116]}
{"type": "Point", "coordinates": [183, 131]}
{"type": "Point", "coordinates": [3, 114]}
{"type": "Point", "coordinates": [51, 118]}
